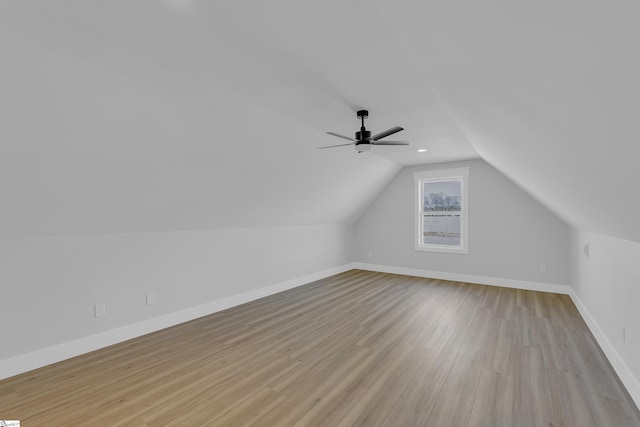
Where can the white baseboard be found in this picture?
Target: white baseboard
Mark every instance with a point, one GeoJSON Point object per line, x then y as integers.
{"type": "Point", "coordinates": [39, 358]}
{"type": "Point", "coordinates": [629, 381]}
{"type": "Point", "coordinates": [46, 356]}
{"type": "Point", "coordinates": [468, 278]}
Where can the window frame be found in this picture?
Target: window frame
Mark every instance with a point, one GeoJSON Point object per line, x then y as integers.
{"type": "Point", "coordinates": [442, 175]}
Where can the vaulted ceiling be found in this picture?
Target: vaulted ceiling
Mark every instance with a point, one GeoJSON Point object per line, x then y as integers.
{"type": "Point", "coordinates": [121, 116]}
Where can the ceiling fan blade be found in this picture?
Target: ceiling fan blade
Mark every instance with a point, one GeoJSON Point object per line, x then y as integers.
{"type": "Point", "coordinates": [386, 133]}
{"type": "Point", "coordinates": [390, 143]}
{"type": "Point", "coordinates": [332, 146]}
{"type": "Point", "coordinates": [340, 136]}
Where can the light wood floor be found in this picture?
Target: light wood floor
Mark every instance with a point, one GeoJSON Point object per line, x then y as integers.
{"type": "Point", "coordinates": [356, 349]}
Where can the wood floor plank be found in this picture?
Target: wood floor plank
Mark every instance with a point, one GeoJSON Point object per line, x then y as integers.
{"type": "Point", "coordinates": [418, 399]}
{"type": "Point", "coordinates": [355, 349]}
{"type": "Point", "coordinates": [457, 395]}
{"type": "Point", "coordinates": [493, 401]}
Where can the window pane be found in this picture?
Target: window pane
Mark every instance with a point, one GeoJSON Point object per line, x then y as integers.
{"type": "Point", "coordinates": [442, 213]}
{"type": "Point", "coordinates": [441, 228]}
{"type": "Point", "coordinates": [442, 196]}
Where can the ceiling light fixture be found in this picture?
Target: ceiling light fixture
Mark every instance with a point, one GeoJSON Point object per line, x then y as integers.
{"type": "Point", "coordinates": [422, 150]}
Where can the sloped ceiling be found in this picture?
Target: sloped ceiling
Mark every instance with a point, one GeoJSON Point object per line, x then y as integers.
{"type": "Point", "coordinates": [184, 114]}
{"type": "Point", "coordinates": [548, 93]}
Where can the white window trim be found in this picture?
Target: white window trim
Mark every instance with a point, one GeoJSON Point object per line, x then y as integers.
{"type": "Point", "coordinates": [461, 174]}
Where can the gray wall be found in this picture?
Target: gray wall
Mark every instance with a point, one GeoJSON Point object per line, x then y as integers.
{"type": "Point", "coordinates": [608, 285]}
{"type": "Point", "coordinates": [50, 284]}
{"type": "Point", "coordinates": [510, 234]}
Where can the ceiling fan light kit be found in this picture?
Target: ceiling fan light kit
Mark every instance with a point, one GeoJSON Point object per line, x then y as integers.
{"type": "Point", "coordinates": [363, 140]}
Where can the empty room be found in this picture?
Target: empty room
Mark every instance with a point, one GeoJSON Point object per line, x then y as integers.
{"type": "Point", "coordinates": [297, 213]}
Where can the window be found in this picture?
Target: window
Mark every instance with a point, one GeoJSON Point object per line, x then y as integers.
{"type": "Point", "coordinates": [442, 210]}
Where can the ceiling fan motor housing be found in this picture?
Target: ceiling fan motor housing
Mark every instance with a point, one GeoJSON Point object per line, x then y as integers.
{"type": "Point", "coordinates": [363, 135]}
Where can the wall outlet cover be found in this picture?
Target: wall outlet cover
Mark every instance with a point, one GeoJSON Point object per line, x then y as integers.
{"type": "Point", "coordinates": [586, 250]}
{"type": "Point", "coordinates": [100, 310]}
{"type": "Point", "coordinates": [151, 298]}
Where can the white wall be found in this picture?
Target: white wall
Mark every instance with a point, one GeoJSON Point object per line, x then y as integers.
{"type": "Point", "coordinates": [50, 284]}
{"type": "Point", "coordinates": [510, 234]}
{"type": "Point", "coordinates": [607, 283]}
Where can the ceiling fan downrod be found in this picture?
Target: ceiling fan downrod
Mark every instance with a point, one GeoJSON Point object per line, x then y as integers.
{"type": "Point", "coordinates": [364, 134]}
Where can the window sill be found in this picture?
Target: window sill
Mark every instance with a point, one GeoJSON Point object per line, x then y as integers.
{"type": "Point", "coordinates": [442, 249]}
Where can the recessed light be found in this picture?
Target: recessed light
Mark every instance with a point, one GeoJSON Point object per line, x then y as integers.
{"type": "Point", "coordinates": [422, 150]}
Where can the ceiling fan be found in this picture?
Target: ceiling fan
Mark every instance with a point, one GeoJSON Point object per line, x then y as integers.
{"type": "Point", "coordinates": [363, 140]}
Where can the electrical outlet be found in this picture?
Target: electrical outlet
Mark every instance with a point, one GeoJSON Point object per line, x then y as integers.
{"type": "Point", "coordinates": [543, 268]}
{"type": "Point", "coordinates": [151, 298]}
{"type": "Point", "coordinates": [100, 310]}
{"type": "Point", "coordinates": [586, 249]}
